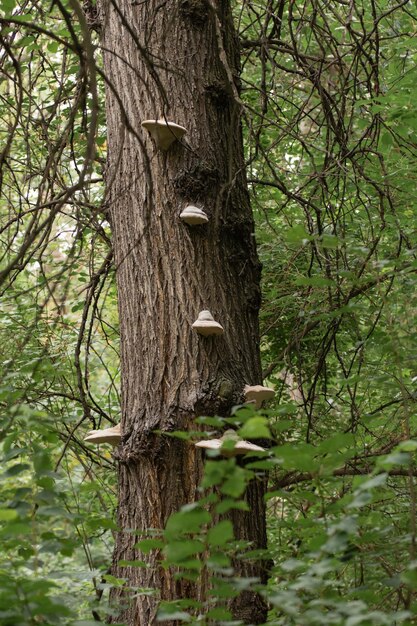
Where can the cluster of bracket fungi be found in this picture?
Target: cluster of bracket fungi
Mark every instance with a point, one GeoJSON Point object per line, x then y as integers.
{"type": "Point", "coordinates": [164, 134]}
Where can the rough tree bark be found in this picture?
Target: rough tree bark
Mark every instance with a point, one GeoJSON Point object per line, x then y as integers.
{"type": "Point", "coordinates": [178, 59]}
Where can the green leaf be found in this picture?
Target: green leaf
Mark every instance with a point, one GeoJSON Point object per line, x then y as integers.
{"type": "Point", "coordinates": [219, 613]}
{"type": "Point", "coordinates": [136, 563]}
{"type": "Point", "coordinates": [186, 521]}
{"type": "Point", "coordinates": [407, 446]}
{"type": "Point", "coordinates": [170, 611]}
{"type": "Point", "coordinates": [7, 515]}
{"type": "Point", "coordinates": [115, 582]}
{"type": "Point", "coordinates": [330, 241]}
{"type": "Point", "coordinates": [15, 470]}
{"type": "Point", "coordinates": [255, 428]}
{"type": "Point", "coordinates": [147, 545]}
{"type": "Point", "coordinates": [235, 484]}
{"type": "Point", "coordinates": [7, 6]}
{"type": "Point", "coordinates": [167, 616]}
{"type": "Point", "coordinates": [297, 234]}
{"type": "Point", "coordinates": [178, 551]}
{"type": "Point", "coordinates": [337, 443]}
{"type": "Point", "coordinates": [227, 504]}
{"type": "Point", "coordinates": [220, 534]}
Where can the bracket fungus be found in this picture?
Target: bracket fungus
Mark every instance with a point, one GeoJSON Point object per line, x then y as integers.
{"type": "Point", "coordinates": [164, 133]}
{"type": "Point", "coordinates": [106, 435]}
{"type": "Point", "coordinates": [193, 215]}
{"type": "Point", "coordinates": [258, 394]}
{"type": "Point", "coordinates": [229, 445]}
{"type": "Point", "coordinates": [206, 325]}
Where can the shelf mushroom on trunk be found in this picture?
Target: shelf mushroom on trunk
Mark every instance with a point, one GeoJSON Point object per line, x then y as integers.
{"type": "Point", "coordinates": [258, 394]}
{"type": "Point", "coordinates": [106, 435]}
{"type": "Point", "coordinates": [229, 445]}
{"type": "Point", "coordinates": [164, 133]}
{"type": "Point", "coordinates": [206, 325]}
{"type": "Point", "coordinates": [193, 216]}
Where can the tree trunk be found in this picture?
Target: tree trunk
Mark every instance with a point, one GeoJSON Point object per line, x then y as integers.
{"type": "Point", "coordinates": [179, 60]}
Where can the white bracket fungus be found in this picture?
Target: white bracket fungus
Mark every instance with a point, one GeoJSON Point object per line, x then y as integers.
{"type": "Point", "coordinates": [106, 435]}
{"type": "Point", "coordinates": [193, 215]}
{"type": "Point", "coordinates": [229, 445]}
{"type": "Point", "coordinates": [206, 325]}
{"type": "Point", "coordinates": [164, 133]}
{"type": "Point", "coordinates": [258, 394]}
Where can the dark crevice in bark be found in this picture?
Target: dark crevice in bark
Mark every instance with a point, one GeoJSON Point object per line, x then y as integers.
{"type": "Point", "coordinates": [196, 11]}
{"type": "Point", "coordinates": [198, 182]}
{"type": "Point", "coordinates": [219, 94]}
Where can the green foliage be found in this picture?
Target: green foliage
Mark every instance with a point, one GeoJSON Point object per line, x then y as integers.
{"type": "Point", "coordinates": [333, 563]}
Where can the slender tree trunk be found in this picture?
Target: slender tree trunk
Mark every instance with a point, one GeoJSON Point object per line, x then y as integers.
{"type": "Point", "coordinates": [179, 60]}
